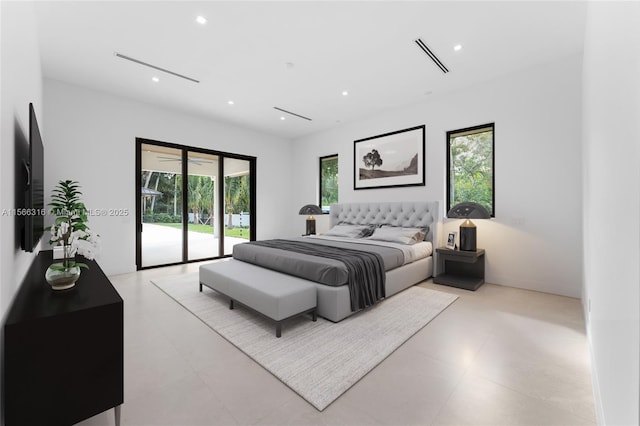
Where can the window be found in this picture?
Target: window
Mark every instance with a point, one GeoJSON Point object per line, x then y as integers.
{"type": "Point", "coordinates": [328, 181]}
{"type": "Point", "coordinates": [470, 167]}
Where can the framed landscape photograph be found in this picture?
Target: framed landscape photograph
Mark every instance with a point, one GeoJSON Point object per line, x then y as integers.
{"type": "Point", "coordinates": [390, 160]}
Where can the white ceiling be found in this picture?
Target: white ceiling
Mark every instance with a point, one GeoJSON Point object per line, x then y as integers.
{"type": "Point", "coordinates": [241, 54]}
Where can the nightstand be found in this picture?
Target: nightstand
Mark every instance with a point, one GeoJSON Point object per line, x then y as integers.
{"type": "Point", "coordinates": [459, 268]}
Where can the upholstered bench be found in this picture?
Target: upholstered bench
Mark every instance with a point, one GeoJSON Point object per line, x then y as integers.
{"type": "Point", "coordinates": [273, 294]}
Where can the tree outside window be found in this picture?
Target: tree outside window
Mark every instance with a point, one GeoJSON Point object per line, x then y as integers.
{"type": "Point", "coordinates": [328, 181]}
{"type": "Point", "coordinates": [470, 167]}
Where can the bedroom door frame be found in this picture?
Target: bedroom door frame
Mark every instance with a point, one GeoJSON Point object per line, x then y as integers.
{"type": "Point", "coordinates": [219, 214]}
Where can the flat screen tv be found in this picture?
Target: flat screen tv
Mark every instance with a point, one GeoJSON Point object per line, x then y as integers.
{"type": "Point", "coordinates": [34, 210]}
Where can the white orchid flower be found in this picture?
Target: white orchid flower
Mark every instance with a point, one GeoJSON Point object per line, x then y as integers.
{"type": "Point", "coordinates": [63, 228]}
{"type": "Point", "coordinates": [85, 248]}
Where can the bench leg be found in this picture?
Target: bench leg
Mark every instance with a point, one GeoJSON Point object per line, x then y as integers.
{"type": "Point", "coordinates": [314, 315]}
{"type": "Point", "coordinates": [278, 329]}
{"type": "Point", "coordinates": [200, 287]}
{"type": "Point", "coordinates": [230, 303]}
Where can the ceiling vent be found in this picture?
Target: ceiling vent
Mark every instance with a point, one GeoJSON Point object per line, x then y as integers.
{"type": "Point", "coordinates": [431, 55]}
{"type": "Point", "coordinates": [292, 113]}
{"type": "Point", "coordinates": [137, 61]}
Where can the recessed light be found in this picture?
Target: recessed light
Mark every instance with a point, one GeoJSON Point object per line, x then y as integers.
{"type": "Point", "coordinates": [155, 79]}
{"type": "Point", "coordinates": [201, 20]}
{"type": "Point", "coordinates": [345, 93]}
{"type": "Point", "coordinates": [230, 102]}
{"type": "Point", "coordinates": [282, 118]}
{"type": "Point", "coordinates": [457, 47]}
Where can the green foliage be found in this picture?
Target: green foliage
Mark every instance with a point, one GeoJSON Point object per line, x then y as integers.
{"type": "Point", "coordinates": [170, 187]}
{"type": "Point", "coordinates": [70, 226]}
{"type": "Point", "coordinates": [236, 194]}
{"type": "Point", "coordinates": [161, 218]}
{"type": "Point", "coordinates": [329, 181]}
{"type": "Point", "coordinates": [65, 266]}
{"type": "Point", "coordinates": [203, 229]}
{"type": "Point", "coordinates": [200, 196]}
{"type": "Point", "coordinates": [471, 169]}
{"type": "Point", "coordinates": [66, 205]}
{"type": "Point", "coordinates": [239, 232]}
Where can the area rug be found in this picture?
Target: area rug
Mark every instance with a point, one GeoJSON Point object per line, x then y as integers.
{"type": "Point", "coordinates": [318, 360]}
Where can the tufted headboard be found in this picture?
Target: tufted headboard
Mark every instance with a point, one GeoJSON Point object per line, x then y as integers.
{"type": "Point", "coordinates": [409, 214]}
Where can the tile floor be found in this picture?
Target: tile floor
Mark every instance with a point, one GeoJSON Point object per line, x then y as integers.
{"type": "Point", "coordinates": [497, 356]}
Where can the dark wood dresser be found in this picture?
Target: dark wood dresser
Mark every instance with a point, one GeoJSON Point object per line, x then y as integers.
{"type": "Point", "coordinates": [63, 350]}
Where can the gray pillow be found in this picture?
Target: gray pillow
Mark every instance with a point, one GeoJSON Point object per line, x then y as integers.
{"type": "Point", "coordinates": [346, 230]}
{"type": "Point", "coordinates": [397, 234]}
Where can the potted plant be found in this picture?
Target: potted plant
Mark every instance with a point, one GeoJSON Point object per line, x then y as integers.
{"type": "Point", "coordinates": [69, 230]}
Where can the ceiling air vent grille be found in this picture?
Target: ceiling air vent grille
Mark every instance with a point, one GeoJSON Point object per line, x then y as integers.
{"type": "Point", "coordinates": [292, 113]}
{"type": "Point", "coordinates": [421, 44]}
{"type": "Point", "coordinates": [137, 61]}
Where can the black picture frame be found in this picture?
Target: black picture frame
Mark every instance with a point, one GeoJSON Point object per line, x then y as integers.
{"type": "Point", "coordinates": [451, 240]}
{"type": "Point", "coordinates": [404, 153]}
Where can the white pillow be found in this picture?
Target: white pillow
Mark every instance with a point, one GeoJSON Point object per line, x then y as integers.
{"type": "Point", "coordinates": [349, 231]}
{"type": "Point", "coordinates": [396, 234]}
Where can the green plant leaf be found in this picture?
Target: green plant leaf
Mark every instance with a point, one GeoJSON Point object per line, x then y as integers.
{"type": "Point", "coordinates": [57, 267]}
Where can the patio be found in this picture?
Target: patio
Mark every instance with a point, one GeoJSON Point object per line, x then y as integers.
{"type": "Point", "coordinates": [162, 245]}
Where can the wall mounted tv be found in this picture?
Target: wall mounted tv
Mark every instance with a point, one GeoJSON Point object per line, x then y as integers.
{"type": "Point", "coordinates": [34, 210]}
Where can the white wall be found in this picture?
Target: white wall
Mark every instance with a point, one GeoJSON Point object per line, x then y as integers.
{"type": "Point", "coordinates": [611, 205]}
{"type": "Point", "coordinates": [20, 84]}
{"type": "Point", "coordinates": [535, 240]}
{"type": "Point", "coordinates": [91, 138]}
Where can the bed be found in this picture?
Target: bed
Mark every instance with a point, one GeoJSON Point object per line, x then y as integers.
{"type": "Point", "coordinates": [334, 296]}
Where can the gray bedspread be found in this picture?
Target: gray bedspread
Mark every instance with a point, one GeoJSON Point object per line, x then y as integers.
{"type": "Point", "coordinates": [324, 262]}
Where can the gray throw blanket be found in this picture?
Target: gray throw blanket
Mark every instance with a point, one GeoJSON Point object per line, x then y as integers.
{"type": "Point", "coordinates": [366, 270]}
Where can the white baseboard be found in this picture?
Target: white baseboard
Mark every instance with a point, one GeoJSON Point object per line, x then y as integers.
{"type": "Point", "coordinates": [597, 399]}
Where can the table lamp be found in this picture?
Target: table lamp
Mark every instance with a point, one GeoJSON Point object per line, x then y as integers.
{"type": "Point", "coordinates": [467, 228]}
{"type": "Point", "coordinates": [310, 209]}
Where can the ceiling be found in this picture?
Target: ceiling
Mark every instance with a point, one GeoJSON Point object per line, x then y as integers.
{"type": "Point", "coordinates": [162, 159]}
{"type": "Point", "coordinates": [298, 56]}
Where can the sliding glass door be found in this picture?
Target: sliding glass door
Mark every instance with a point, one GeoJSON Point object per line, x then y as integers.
{"type": "Point", "coordinates": [202, 201]}
{"type": "Point", "coordinates": [194, 204]}
{"type": "Point", "coordinates": [237, 202]}
{"type": "Point", "coordinates": [161, 205]}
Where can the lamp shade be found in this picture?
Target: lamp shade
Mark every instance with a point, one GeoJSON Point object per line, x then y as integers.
{"type": "Point", "coordinates": [468, 229]}
{"type": "Point", "coordinates": [468, 211]}
{"type": "Point", "coordinates": [310, 209]}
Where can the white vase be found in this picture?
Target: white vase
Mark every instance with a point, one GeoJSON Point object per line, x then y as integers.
{"type": "Point", "coordinates": [62, 279]}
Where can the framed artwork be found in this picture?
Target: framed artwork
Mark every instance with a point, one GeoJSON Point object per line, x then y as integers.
{"type": "Point", "coordinates": [390, 160]}
{"type": "Point", "coordinates": [451, 240]}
